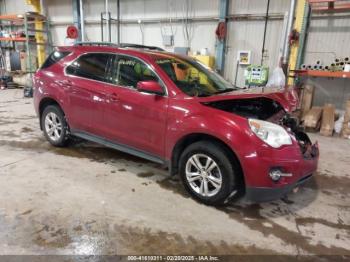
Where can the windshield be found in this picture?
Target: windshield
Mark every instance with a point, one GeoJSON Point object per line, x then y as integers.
{"type": "Point", "coordinates": [193, 78]}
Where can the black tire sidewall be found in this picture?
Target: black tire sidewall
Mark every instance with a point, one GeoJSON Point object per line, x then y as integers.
{"type": "Point", "coordinates": [63, 139]}
{"type": "Point", "coordinates": [218, 154]}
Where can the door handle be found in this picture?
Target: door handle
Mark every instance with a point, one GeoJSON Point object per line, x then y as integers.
{"type": "Point", "coordinates": [65, 83]}
{"type": "Point", "coordinates": [113, 97]}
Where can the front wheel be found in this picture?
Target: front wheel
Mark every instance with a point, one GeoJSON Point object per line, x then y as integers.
{"type": "Point", "coordinates": [208, 173]}
{"type": "Point", "coordinates": [55, 126]}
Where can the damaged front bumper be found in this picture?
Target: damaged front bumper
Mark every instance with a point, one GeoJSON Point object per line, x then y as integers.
{"type": "Point", "coordinates": [294, 172]}
{"type": "Point", "coordinates": [264, 194]}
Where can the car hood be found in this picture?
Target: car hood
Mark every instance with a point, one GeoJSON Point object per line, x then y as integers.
{"type": "Point", "coordinates": [287, 97]}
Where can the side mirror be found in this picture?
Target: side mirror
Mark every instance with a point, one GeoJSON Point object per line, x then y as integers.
{"type": "Point", "coordinates": [150, 87]}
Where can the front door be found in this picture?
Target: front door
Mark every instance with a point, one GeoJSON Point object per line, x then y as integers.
{"type": "Point", "coordinates": [135, 119]}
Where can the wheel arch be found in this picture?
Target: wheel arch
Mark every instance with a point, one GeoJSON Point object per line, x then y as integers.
{"type": "Point", "coordinates": [45, 102]}
{"type": "Point", "coordinates": [189, 139]}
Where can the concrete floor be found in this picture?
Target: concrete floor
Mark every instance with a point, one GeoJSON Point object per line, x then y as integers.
{"type": "Point", "coordinates": [87, 199]}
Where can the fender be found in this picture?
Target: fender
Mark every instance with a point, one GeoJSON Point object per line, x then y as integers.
{"type": "Point", "coordinates": [230, 132]}
{"type": "Point", "coordinates": [42, 93]}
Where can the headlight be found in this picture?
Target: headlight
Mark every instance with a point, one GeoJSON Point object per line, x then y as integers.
{"type": "Point", "coordinates": [273, 135]}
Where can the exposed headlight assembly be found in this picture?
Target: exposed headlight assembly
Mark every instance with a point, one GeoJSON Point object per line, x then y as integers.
{"type": "Point", "coordinates": [272, 134]}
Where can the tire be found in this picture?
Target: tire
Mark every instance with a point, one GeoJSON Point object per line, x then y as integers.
{"type": "Point", "coordinates": [53, 119]}
{"type": "Point", "coordinates": [225, 170]}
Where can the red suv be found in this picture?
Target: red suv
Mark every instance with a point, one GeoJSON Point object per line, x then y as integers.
{"type": "Point", "coordinates": [173, 110]}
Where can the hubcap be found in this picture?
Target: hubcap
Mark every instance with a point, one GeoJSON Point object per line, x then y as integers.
{"type": "Point", "coordinates": [203, 175]}
{"type": "Point", "coordinates": [53, 126]}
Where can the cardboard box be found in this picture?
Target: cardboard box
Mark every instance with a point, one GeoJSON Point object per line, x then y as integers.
{"type": "Point", "coordinates": [347, 112]}
{"type": "Point", "coordinates": [345, 133]}
{"type": "Point", "coordinates": [313, 117]}
{"type": "Point", "coordinates": [307, 97]}
{"type": "Point", "coordinates": [328, 120]}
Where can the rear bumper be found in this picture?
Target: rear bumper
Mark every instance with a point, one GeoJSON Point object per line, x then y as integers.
{"type": "Point", "coordinates": [264, 194]}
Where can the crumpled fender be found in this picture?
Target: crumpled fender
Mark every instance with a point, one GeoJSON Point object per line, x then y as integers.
{"type": "Point", "coordinates": [289, 99]}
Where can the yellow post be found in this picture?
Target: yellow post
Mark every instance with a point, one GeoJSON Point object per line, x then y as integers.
{"type": "Point", "coordinates": [38, 35]}
{"type": "Point", "coordinates": [298, 24]}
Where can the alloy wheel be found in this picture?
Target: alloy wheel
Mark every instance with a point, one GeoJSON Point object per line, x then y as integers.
{"type": "Point", "coordinates": [53, 126]}
{"type": "Point", "coordinates": [203, 175]}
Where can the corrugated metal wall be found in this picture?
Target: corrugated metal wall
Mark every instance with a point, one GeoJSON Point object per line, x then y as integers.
{"type": "Point", "coordinates": [244, 34]}
{"type": "Point", "coordinates": [327, 38]}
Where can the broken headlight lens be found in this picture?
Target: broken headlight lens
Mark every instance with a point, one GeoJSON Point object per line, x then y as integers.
{"type": "Point", "coordinates": [272, 134]}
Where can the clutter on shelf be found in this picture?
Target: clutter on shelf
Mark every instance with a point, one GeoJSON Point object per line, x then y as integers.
{"type": "Point", "coordinates": [324, 119]}
{"type": "Point", "coordinates": [339, 64]}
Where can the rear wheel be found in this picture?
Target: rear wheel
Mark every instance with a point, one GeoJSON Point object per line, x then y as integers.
{"type": "Point", "coordinates": [55, 126]}
{"type": "Point", "coordinates": [208, 173]}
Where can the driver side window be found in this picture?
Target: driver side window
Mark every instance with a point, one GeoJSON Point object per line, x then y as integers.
{"type": "Point", "coordinates": [128, 71]}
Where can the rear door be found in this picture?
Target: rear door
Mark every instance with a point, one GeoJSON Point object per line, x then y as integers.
{"type": "Point", "coordinates": [85, 81]}
{"type": "Point", "coordinates": [135, 119]}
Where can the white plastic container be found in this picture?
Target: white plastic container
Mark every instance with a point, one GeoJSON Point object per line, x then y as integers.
{"type": "Point", "coordinates": [204, 51]}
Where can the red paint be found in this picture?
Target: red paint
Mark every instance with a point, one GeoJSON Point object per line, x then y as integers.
{"type": "Point", "coordinates": [150, 87]}
{"type": "Point", "coordinates": [72, 32]}
{"type": "Point", "coordinates": [154, 123]}
{"type": "Point", "coordinates": [221, 31]}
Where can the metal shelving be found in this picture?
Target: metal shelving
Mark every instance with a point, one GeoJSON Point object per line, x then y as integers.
{"type": "Point", "coordinates": [319, 73]}
{"type": "Point", "coordinates": [321, 6]}
{"type": "Point", "coordinates": [28, 21]}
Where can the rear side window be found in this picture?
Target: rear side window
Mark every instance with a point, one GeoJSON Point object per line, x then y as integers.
{"type": "Point", "coordinates": [54, 57]}
{"type": "Point", "coordinates": [90, 66]}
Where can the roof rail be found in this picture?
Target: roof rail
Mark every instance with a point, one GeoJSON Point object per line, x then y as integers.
{"type": "Point", "coordinates": [95, 44]}
{"type": "Point", "coordinates": [122, 45]}
{"type": "Point", "coordinates": [125, 45]}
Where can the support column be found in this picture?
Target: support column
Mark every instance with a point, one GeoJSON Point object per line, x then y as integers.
{"type": "Point", "coordinates": [118, 18]}
{"type": "Point", "coordinates": [221, 44]}
{"type": "Point", "coordinates": [77, 17]}
{"type": "Point", "coordinates": [300, 25]}
{"type": "Point", "coordinates": [39, 26]}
